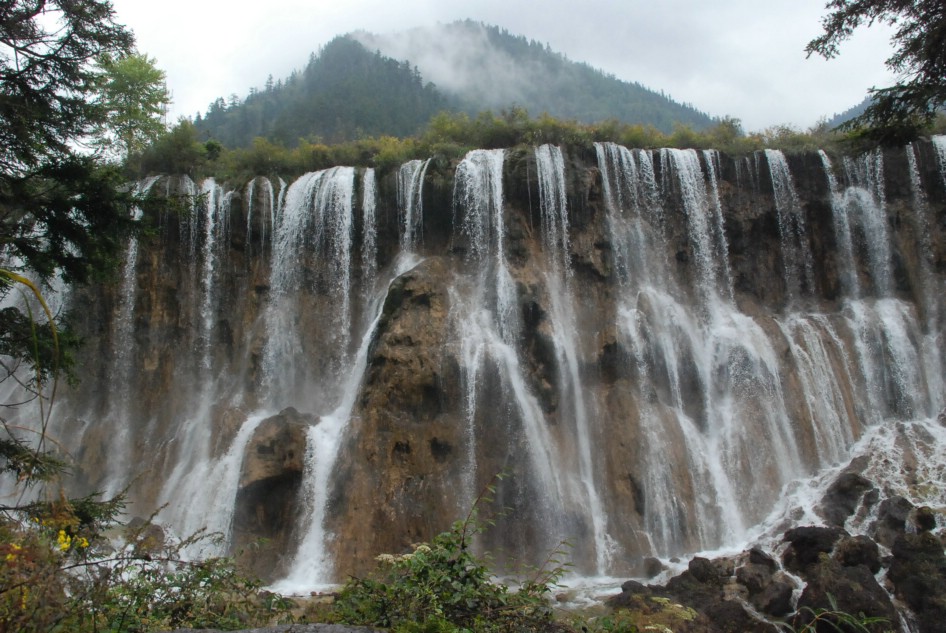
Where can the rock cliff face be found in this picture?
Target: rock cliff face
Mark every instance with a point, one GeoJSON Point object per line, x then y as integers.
{"type": "Point", "coordinates": [653, 346]}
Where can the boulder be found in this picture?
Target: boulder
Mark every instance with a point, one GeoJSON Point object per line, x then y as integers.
{"type": "Point", "coordinates": [754, 577]}
{"type": "Point", "coordinates": [759, 557]}
{"type": "Point", "coordinates": [653, 567]}
{"type": "Point", "coordinates": [918, 573]}
{"type": "Point", "coordinates": [852, 590]}
{"type": "Point", "coordinates": [891, 521]}
{"type": "Point", "coordinates": [924, 519]}
{"type": "Point", "coordinates": [776, 599]}
{"type": "Point", "coordinates": [843, 497]}
{"type": "Point", "coordinates": [808, 543]}
{"type": "Point", "coordinates": [858, 550]}
{"type": "Point", "coordinates": [703, 587]}
{"type": "Point", "coordinates": [267, 500]}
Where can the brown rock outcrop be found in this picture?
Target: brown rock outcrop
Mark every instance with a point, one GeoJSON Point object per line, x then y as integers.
{"type": "Point", "coordinates": [267, 500]}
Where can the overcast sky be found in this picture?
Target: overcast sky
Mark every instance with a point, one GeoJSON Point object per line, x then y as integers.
{"type": "Point", "coordinates": [741, 58]}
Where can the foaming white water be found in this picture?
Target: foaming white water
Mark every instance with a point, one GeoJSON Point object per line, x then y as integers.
{"type": "Point", "coordinates": [202, 498]}
{"type": "Point", "coordinates": [410, 201]}
{"type": "Point", "coordinates": [883, 449]}
{"type": "Point", "coordinates": [796, 252]}
{"type": "Point", "coordinates": [565, 334]}
{"type": "Point", "coordinates": [312, 565]}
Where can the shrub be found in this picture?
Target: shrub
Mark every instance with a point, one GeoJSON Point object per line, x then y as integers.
{"type": "Point", "coordinates": [442, 586]}
{"type": "Point", "coordinates": [58, 571]}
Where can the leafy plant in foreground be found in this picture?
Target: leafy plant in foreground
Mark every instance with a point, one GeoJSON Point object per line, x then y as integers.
{"type": "Point", "coordinates": [442, 586]}
{"type": "Point", "coordinates": [811, 620]}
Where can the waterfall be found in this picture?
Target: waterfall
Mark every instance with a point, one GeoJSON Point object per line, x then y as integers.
{"type": "Point", "coordinates": [216, 213]}
{"type": "Point", "coordinates": [850, 283]}
{"type": "Point", "coordinates": [565, 334]}
{"type": "Point", "coordinates": [718, 238]}
{"type": "Point", "coordinates": [710, 378]}
{"type": "Point", "coordinates": [939, 145]}
{"type": "Point", "coordinates": [665, 349]}
{"type": "Point", "coordinates": [704, 222]}
{"type": "Point", "coordinates": [864, 204]}
{"type": "Point", "coordinates": [312, 563]}
{"type": "Point", "coordinates": [122, 352]}
{"type": "Point", "coordinates": [266, 219]}
{"type": "Point", "coordinates": [796, 252]}
{"type": "Point", "coordinates": [487, 321]}
{"type": "Point", "coordinates": [315, 226]}
{"type": "Point", "coordinates": [410, 201]}
{"type": "Point", "coordinates": [369, 242]}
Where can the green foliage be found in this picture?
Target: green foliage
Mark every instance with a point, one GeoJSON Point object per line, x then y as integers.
{"type": "Point", "coordinates": [47, 76]}
{"type": "Point", "coordinates": [442, 586]}
{"type": "Point", "coordinates": [177, 151]}
{"type": "Point", "coordinates": [133, 97]}
{"type": "Point", "coordinates": [450, 136]}
{"type": "Point", "coordinates": [897, 113]}
{"type": "Point", "coordinates": [811, 620]}
{"type": "Point", "coordinates": [69, 216]}
{"type": "Point", "coordinates": [59, 570]}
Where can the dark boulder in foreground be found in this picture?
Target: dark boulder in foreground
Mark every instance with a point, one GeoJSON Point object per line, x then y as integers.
{"type": "Point", "coordinates": [823, 572]}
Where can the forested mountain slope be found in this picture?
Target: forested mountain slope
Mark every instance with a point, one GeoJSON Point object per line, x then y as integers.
{"type": "Point", "coordinates": [486, 67]}
{"type": "Point", "coordinates": [367, 85]}
{"type": "Point", "coordinates": [344, 92]}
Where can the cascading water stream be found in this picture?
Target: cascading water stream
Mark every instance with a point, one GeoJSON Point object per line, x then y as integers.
{"type": "Point", "coordinates": [718, 237]}
{"type": "Point", "coordinates": [216, 213]}
{"type": "Point", "coordinates": [487, 321]}
{"type": "Point", "coordinates": [410, 200]}
{"type": "Point", "coordinates": [316, 223]}
{"type": "Point", "coordinates": [939, 145]}
{"type": "Point", "coordinates": [266, 217]}
{"type": "Point", "coordinates": [123, 347]}
{"type": "Point", "coordinates": [796, 253]}
{"type": "Point", "coordinates": [704, 223]}
{"type": "Point", "coordinates": [312, 564]}
{"type": "Point", "coordinates": [864, 205]}
{"type": "Point", "coordinates": [850, 283]}
{"type": "Point", "coordinates": [711, 386]}
{"type": "Point", "coordinates": [369, 242]}
{"type": "Point", "coordinates": [554, 212]}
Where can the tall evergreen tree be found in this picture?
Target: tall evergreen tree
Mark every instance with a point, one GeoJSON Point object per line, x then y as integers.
{"type": "Point", "coordinates": [919, 60]}
{"type": "Point", "coordinates": [62, 211]}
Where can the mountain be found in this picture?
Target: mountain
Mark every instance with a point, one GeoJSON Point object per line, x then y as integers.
{"type": "Point", "coordinates": [343, 93]}
{"type": "Point", "coordinates": [850, 113]}
{"type": "Point", "coordinates": [370, 85]}
{"type": "Point", "coordinates": [486, 67]}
